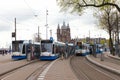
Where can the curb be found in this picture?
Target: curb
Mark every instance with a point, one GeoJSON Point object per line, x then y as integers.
{"type": "Point", "coordinates": [113, 57]}
{"type": "Point", "coordinates": [103, 66]}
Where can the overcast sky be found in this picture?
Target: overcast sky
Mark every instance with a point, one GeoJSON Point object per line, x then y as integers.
{"type": "Point", "coordinates": [25, 12]}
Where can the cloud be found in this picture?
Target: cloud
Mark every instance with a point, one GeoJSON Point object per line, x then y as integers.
{"type": "Point", "coordinates": [21, 14]}
{"type": "Point", "coordinates": [27, 22]}
{"type": "Point", "coordinates": [5, 26]}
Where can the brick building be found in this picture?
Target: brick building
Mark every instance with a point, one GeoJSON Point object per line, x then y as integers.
{"type": "Point", "coordinates": [63, 33]}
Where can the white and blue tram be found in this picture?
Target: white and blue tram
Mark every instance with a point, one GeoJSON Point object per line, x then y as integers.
{"type": "Point", "coordinates": [82, 49]}
{"type": "Point", "coordinates": [50, 50]}
{"type": "Point", "coordinates": [21, 49]}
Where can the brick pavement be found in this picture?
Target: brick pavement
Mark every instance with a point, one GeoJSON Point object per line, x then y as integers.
{"type": "Point", "coordinates": [60, 70]}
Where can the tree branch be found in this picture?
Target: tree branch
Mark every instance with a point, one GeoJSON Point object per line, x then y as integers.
{"type": "Point", "coordinates": [103, 2]}
{"type": "Point", "coordinates": [84, 2]}
{"type": "Point", "coordinates": [100, 5]}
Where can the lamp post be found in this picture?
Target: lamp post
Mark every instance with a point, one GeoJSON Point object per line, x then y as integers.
{"type": "Point", "coordinates": [50, 33]}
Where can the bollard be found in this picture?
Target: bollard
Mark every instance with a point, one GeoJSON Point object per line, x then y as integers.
{"type": "Point", "coordinates": [102, 57]}
{"type": "Point", "coordinates": [101, 51]}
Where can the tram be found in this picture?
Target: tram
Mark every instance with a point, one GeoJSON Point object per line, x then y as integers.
{"type": "Point", "coordinates": [22, 48]}
{"type": "Point", "coordinates": [50, 50]}
{"type": "Point", "coordinates": [98, 48]}
{"type": "Point", "coordinates": [82, 49]}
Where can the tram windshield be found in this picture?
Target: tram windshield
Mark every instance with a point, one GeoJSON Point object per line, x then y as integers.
{"type": "Point", "coordinates": [17, 46]}
{"type": "Point", "coordinates": [79, 45]}
{"type": "Point", "coordinates": [46, 47]}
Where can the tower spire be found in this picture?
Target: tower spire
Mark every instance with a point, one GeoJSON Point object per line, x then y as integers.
{"type": "Point", "coordinates": [68, 25]}
{"type": "Point", "coordinates": [63, 23]}
{"type": "Point", "coordinates": [58, 26]}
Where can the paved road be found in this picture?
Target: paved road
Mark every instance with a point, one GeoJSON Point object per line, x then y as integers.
{"type": "Point", "coordinates": [25, 72]}
{"type": "Point", "coordinates": [5, 58]}
{"type": "Point", "coordinates": [85, 70]}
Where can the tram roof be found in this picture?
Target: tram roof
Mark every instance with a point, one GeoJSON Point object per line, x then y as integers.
{"type": "Point", "coordinates": [46, 41]}
{"type": "Point", "coordinates": [25, 41]}
{"type": "Point", "coordinates": [18, 41]}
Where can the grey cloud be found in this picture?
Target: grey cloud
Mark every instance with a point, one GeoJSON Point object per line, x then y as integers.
{"type": "Point", "coordinates": [85, 19]}
{"type": "Point", "coordinates": [7, 18]}
{"type": "Point", "coordinates": [21, 14]}
{"type": "Point", "coordinates": [5, 27]}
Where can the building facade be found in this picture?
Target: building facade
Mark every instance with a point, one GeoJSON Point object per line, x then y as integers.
{"type": "Point", "coordinates": [63, 33]}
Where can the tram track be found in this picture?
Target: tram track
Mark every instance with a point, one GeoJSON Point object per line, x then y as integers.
{"type": "Point", "coordinates": [35, 74]}
{"type": "Point", "coordinates": [78, 73]}
{"type": "Point", "coordinates": [10, 61]}
{"type": "Point", "coordinates": [85, 70]}
{"type": "Point", "coordinates": [25, 72]}
{"type": "Point", "coordinates": [15, 68]}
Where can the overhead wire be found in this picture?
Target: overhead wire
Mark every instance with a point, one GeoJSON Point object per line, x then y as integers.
{"type": "Point", "coordinates": [29, 7]}
{"type": "Point", "coordinates": [32, 10]}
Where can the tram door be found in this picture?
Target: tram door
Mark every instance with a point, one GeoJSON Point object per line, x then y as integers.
{"type": "Point", "coordinates": [28, 51]}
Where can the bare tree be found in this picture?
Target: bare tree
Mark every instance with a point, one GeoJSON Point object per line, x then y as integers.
{"type": "Point", "coordinates": [108, 21]}
{"type": "Point", "coordinates": [79, 5]}
{"type": "Point", "coordinates": [36, 37]}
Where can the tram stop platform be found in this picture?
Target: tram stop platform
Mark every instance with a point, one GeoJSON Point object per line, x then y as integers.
{"type": "Point", "coordinates": [60, 70]}
{"type": "Point", "coordinates": [104, 63]}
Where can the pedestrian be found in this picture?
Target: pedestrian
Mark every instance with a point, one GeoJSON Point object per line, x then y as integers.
{"type": "Point", "coordinates": [62, 53]}
{"type": "Point", "coordinates": [90, 49]}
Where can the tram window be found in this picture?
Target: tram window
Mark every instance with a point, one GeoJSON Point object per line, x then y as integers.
{"type": "Point", "coordinates": [46, 47]}
{"type": "Point", "coordinates": [79, 45]}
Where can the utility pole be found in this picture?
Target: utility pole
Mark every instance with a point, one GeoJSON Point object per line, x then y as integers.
{"type": "Point", "coordinates": [89, 36]}
{"type": "Point", "coordinates": [46, 24]}
{"type": "Point", "coordinates": [38, 35]}
{"type": "Point", "coordinates": [15, 36]}
{"type": "Point", "coordinates": [15, 29]}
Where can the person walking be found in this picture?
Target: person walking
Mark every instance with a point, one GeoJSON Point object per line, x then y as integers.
{"type": "Point", "coordinates": [62, 53]}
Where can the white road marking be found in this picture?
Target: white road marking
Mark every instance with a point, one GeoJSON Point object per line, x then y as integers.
{"type": "Point", "coordinates": [42, 75]}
